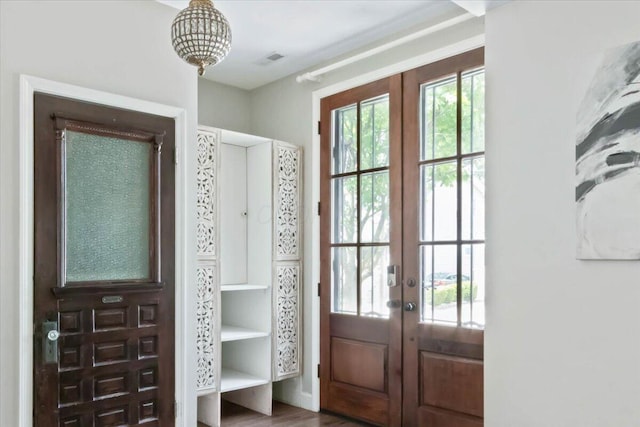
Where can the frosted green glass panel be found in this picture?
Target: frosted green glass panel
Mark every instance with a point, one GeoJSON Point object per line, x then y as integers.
{"type": "Point", "coordinates": [107, 208]}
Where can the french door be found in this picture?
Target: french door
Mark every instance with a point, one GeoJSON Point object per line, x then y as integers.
{"type": "Point", "coordinates": [361, 234]}
{"type": "Point", "coordinates": [402, 247]}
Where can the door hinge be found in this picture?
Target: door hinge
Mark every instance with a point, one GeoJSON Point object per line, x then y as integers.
{"type": "Point", "coordinates": [318, 370]}
{"type": "Point", "coordinates": [318, 208]}
{"type": "Point", "coordinates": [175, 155]}
{"type": "Point", "coordinates": [175, 409]}
{"type": "Point", "coordinates": [318, 288]}
{"type": "Point", "coordinates": [319, 127]}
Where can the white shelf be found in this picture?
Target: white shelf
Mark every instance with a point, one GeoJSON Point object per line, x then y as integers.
{"type": "Point", "coordinates": [236, 380]}
{"type": "Point", "coordinates": [243, 287]}
{"type": "Point", "coordinates": [234, 333]}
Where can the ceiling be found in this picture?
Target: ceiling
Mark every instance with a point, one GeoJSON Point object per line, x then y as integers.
{"type": "Point", "coordinates": [308, 32]}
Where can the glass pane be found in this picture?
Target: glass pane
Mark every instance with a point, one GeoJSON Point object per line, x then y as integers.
{"type": "Point", "coordinates": [439, 283]}
{"type": "Point", "coordinates": [439, 204]}
{"type": "Point", "coordinates": [107, 208]}
{"type": "Point", "coordinates": [374, 207]}
{"type": "Point", "coordinates": [438, 119]}
{"type": "Point", "coordinates": [374, 291]}
{"type": "Point", "coordinates": [473, 286]}
{"type": "Point", "coordinates": [374, 133]}
{"type": "Point", "coordinates": [345, 143]}
{"type": "Point", "coordinates": [473, 199]}
{"type": "Point", "coordinates": [344, 280]}
{"type": "Point", "coordinates": [472, 111]}
{"type": "Point", "coordinates": [343, 210]}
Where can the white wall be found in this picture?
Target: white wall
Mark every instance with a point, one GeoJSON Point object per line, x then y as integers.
{"type": "Point", "coordinates": [562, 341]}
{"type": "Point", "coordinates": [118, 47]}
{"type": "Point", "coordinates": [283, 110]}
{"type": "Point", "coordinates": [223, 106]}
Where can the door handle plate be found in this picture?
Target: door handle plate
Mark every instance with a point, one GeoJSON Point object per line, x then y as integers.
{"type": "Point", "coordinates": [392, 275]}
{"type": "Point", "coordinates": [50, 336]}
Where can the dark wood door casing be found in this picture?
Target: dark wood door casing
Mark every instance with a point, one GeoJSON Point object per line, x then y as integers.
{"type": "Point", "coordinates": [352, 345]}
{"type": "Point", "coordinates": [116, 346]}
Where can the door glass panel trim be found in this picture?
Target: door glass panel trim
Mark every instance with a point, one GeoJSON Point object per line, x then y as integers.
{"type": "Point", "coordinates": [461, 188]}
{"type": "Point", "coordinates": [358, 213]}
{"type": "Point", "coordinates": [344, 151]}
{"type": "Point", "coordinates": [430, 131]}
{"type": "Point", "coordinates": [66, 128]}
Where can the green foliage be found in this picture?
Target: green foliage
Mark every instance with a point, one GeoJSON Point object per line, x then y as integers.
{"type": "Point", "coordinates": [439, 126]}
{"type": "Point", "coordinates": [447, 294]}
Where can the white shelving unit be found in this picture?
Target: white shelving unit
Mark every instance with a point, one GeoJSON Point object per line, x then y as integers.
{"type": "Point", "coordinates": [249, 269]}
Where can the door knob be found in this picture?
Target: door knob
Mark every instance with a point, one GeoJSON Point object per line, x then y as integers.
{"type": "Point", "coordinates": [394, 303]}
{"type": "Point", "coordinates": [410, 306]}
{"type": "Point", "coordinates": [53, 335]}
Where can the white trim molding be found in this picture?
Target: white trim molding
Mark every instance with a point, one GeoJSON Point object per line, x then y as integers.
{"type": "Point", "coordinates": [184, 386]}
{"type": "Point", "coordinates": [316, 75]}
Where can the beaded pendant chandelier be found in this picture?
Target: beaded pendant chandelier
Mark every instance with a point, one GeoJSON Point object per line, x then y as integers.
{"type": "Point", "coordinates": [201, 35]}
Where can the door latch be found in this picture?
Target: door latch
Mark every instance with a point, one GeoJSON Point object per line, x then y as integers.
{"type": "Point", "coordinates": [392, 275]}
{"type": "Point", "coordinates": [50, 337]}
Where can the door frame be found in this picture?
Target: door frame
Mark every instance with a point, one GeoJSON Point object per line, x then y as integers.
{"type": "Point", "coordinates": [312, 401]}
{"type": "Point", "coordinates": [185, 390]}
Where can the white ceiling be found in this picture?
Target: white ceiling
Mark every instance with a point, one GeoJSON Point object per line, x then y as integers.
{"type": "Point", "coordinates": [308, 32]}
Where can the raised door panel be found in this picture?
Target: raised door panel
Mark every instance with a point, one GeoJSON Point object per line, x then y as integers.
{"type": "Point", "coordinates": [358, 363]}
{"type": "Point", "coordinates": [452, 383]}
{"type": "Point", "coordinates": [431, 417]}
{"type": "Point", "coordinates": [108, 370]}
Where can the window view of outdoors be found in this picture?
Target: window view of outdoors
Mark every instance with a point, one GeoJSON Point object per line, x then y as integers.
{"type": "Point", "coordinates": [451, 181]}
{"type": "Point", "coordinates": [451, 201]}
{"type": "Point", "coordinates": [360, 208]}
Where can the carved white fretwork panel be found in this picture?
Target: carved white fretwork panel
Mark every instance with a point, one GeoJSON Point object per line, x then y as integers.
{"type": "Point", "coordinates": [287, 320]}
{"type": "Point", "coordinates": [206, 196]}
{"type": "Point", "coordinates": [206, 315]}
{"type": "Point", "coordinates": [287, 171]}
{"type": "Point", "coordinates": [207, 285]}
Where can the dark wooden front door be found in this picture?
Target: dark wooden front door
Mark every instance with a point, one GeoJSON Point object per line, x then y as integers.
{"type": "Point", "coordinates": [402, 189]}
{"type": "Point", "coordinates": [443, 242]}
{"type": "Point", "coordinates": [361, 335]}
{"type": "Point", "coordinates": [104, 266]}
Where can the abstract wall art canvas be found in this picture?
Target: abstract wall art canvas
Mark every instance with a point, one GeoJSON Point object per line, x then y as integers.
{"type": "Point", "coordinates": [608, 159]}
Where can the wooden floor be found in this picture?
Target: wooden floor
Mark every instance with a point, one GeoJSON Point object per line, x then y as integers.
{"type": "Point", "coordinates": [283, 415]}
